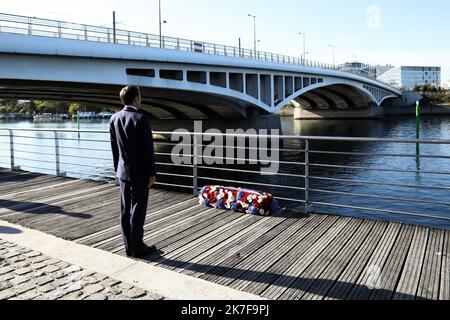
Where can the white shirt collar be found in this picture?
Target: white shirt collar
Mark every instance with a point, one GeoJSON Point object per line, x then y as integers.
{"type": "Point", "coordinates": [132, 107]}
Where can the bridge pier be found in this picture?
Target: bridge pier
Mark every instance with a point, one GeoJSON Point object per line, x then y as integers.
{"type": "Point", "coordinates": [372, 111]}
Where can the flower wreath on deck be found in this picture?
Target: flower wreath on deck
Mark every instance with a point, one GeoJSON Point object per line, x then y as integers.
{"type": "Point", "coordinates": [238, 200]}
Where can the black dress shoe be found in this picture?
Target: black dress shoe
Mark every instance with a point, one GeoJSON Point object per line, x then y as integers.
{"type": "Point", "coordinates": [129, 254]}
{"type": "Point", "coordinates": [144, 251]}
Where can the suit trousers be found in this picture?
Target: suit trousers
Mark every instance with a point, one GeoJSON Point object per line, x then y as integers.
{"type": "Point", "coordinates": [134, 202]}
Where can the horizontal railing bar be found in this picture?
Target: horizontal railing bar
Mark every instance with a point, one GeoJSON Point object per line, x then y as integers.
{"type": "Point", "coordinates": [253, 183]}
{"type": "Point", "coordinates": [34, 152]}
{"type": "Point", "coordinates": [85, 165]}
{"type": "Point", "coordinates": [175, 175]}
{"type": "Point", "coordinates": [40, 168]}
{"type": "Point", "coordinates": [244, 148]}
{"type": "Point", "coordinates": [174, 165]}
{"type": "Point", "coordinates": [82, 140]}
{"type": "Point", "coordinates": [287, 137]}
{"type": "Point", "coordinates": [34, 145]}
{"type": "Point", "coordinates": [90, 174]}
{"type": "Point", "coordinates": [399, 155]}
{"type": "Point", "coordinates": [381, 210]}
{"type": "Point", "coordinates": [289, 199]}
{"type": "Point", "coordinates": [84, 157]}
{"type": "Point", "coordinates": [251, 160]}
{"type": "Point", "coordinates": [312, 138]}
{"type": "Point", "coordinates": [34, 160]}
{"type": "Point", "coordinates": [377, 169]}
{"type": "Point", "coordinates": [381, 197]}
{"type": "Point", "coordinates": [86, 149]}
{"type": "Point", "coordinates": [252, 172]}
{"type": "Point", "coordinates": [173, 185]}
{"type": "Point", "coordinates": [382, 183]}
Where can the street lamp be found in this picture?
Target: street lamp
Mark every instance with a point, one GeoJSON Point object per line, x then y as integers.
{"type": "Point", "coordinates": [333, 47]}
{"type": "Point", "coordinates": [254, 30]}
{"type": "Point", "coordinates": [160, 26]}
{"type": "Point", "coordinates": [304, 46]}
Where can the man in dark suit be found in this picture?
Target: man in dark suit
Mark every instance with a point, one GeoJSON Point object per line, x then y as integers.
{"type": "Point", "coordinates": [134, 164]}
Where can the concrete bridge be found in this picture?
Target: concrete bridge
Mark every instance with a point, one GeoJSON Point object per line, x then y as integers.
{"type": "Point", "coordinates": [181, 79]}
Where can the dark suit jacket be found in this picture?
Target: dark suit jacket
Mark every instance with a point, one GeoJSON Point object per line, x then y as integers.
{"type": "Point", "coordinates": [132, 145]}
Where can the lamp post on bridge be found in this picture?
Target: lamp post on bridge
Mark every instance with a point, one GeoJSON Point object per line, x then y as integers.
{"type": "Point", "coordinates": [161, 22]}
{"type": "Point", "coordinates": [333, 47]}
{"type": "Point", "coordinates": [304, 46]}
{"type": "Point", "coordinates": [254, 30]}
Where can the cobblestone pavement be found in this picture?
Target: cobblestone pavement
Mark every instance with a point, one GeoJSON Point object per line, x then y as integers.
{"type": "Point", "coordinates": [29, 275]}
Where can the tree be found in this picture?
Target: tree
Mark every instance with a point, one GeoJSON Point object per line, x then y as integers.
{"type": "Point", "coordinates": [417, 88]}
{"type": "Point", "coordinates": [74, 108]}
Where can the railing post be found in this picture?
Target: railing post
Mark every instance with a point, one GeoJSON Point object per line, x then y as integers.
{"type": "Point", "coordinates": [306, 176]}
{"type": "Point", "coordinates": [57, 156]}
{"type": "Point", "coordinates": [129, 38]}
{"type": "Point", "coordinates": [30, 29]}
{"type": "Point", "coordinates": [85, 33]}
{"type": "Point", "coordinates": [178, 44]}
{"type": "Point", "coordinates": [59, 30]}
{"type": "Point", "coordinates": [11, 148]}
{"type": "Point", "coordinates": [195, 165]}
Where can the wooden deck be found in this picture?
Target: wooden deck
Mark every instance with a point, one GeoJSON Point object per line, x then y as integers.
{"type": "Point", "coordinates": [288, 256]}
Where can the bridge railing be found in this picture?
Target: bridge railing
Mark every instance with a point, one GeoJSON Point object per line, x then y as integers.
{"type": "Point", "coordinates": [58, 29]}
{"type": "Point", "coordinates": [358, 176]}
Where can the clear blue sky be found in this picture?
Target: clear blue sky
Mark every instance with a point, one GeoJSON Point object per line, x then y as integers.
{"type": "Point", "coordinates": [400, 32]}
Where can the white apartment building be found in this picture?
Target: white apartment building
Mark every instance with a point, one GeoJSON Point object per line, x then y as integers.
{"type": "Point", "coordinates": [407, 77]}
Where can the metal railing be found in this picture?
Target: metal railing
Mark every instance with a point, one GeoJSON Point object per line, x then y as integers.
{"type": "Point", "coordinates": [297, 187]}
{"type": "Point", "coordinates": [66, 30]}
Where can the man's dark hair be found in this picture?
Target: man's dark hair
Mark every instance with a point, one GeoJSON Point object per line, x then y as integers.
{"type": "Point", "coordinates": [129, 94]}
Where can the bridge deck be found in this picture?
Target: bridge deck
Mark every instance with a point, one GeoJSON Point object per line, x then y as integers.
{"type": "Point", "coordinates": [289, 256]}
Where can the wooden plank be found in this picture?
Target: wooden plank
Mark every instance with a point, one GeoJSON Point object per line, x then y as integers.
{"type": "Point", "coordinates": [430, 278]}
{"type": "Point", "coordinates": [54, 202]}
{"type": "Point", "coordinates": [202, 265]}
{"type": "Point", "coordinates": [298, 260]}
{"type": "Point", "coordinates": [49, 217]}
{"type": "Point", "coordinates": [371, 273]}
{"type": "Point", "coordinates": [346, 281]}
{"type": "Point", "coordinates": [153, 221]}
{"type": "Point", "coordinates": [102, 235]}
{"type": "Point", "coordinates": [172, 244]}
{"type": "Point", "coordinates": [262, 272]}
{"type": "Point", "coordinates": [210, 241]}
{"type": "Point", "coordinates": [409, 281]}
{"type": "Point", "coordinates": [392, 270]}
{"type": "Point", "coordinates": [247, 262]}
{"type": "Point", "coordinates": [104, 212]}
{"type": "Point", "coordinates": [19, 191]}
{"type": "Point", "coordinates": [43, 198]}
{"type": "Point", "coordinates": [323, 283]}
{"type": "Point", "coordinates": [26, 203]}
{"type": "Point", "coordinates": [305, 280]}
{"type": "Point", "coordinates": [444, 293]}
{"type": "Point", "coordinates": [8, 176]}
{"type": "Point", "coordinates": [196, 240]}
{"type": "Point", "coordinates": [114, 243]}
{"type": "Point", "coordinates": [29, 184]}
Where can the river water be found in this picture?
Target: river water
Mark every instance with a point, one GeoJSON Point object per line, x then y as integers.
{"type": "Point", "coordinates": [76, 162]}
